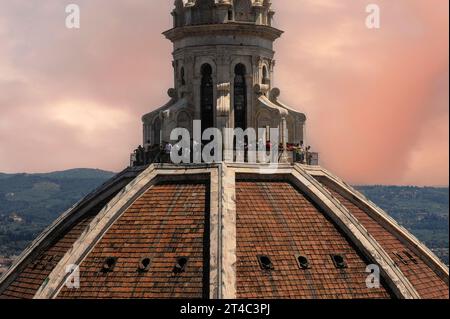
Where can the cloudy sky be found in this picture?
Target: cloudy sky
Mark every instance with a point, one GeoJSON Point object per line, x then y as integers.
{"type": "Point", "coordinates": [376, 100]}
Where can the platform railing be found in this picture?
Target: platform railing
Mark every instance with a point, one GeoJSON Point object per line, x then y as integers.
{"type": "Point", "coordinates": [142, 157]}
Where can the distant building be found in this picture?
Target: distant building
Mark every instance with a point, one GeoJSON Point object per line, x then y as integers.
{"type": "Point", "coordinates": [5, 263]}
{"type": "Point", "coordinates": [226, 229]}
{"type": "Point", "coordinates": [16, 218]}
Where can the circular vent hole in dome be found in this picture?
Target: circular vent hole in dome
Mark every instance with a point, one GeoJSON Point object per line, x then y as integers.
{"type": "Point", "coordinates": [109, 264]}
{"type": "Point", "coordinates": [265, 262]}
{"type": "Point", "coordinates": [302, 261]}
{"type": "Point", "coordinates": [144, 264]}
{"type": "Point", "coordinates": [339, 261]}
{"type": "Point", "coordinates": [180, 265]}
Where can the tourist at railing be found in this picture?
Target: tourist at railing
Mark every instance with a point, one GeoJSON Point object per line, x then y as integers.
{"type": "Point", "coordinates": [140, 155]}
{"type": "Point", "coordinates": [303, 155]}
{"type": "Point", "coordinates": [153, 154]}
{"type": "Point", "coordinates": [160, 153]}
{"type": "Point", "coordinates": [147, 154]}
{"type": "Point", "coordinates": [308, 155]}
{"type": "Point", "coordinates": [299, 153]}
{"type": "Point", "coordinates": [167, 150]}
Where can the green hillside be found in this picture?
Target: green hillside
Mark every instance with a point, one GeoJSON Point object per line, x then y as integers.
{"type": "Point", "coordinates": [30, 202]}
{"type": "Point", "coordinates": [422, 210]}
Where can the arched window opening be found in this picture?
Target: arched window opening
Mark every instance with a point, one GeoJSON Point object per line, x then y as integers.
{"type": "Point", "coordinates": [182, 76]}
{"type": "Point", "coordinates": [157, 131]}
{"type": "Point", "coordinates": [207, 98]}
{"type": "Point", "coordinates": [265, 76]}
{"type": "Point", "coordinates": [230, 15]}
{"type": "Point", "coordinates": [240, 97]}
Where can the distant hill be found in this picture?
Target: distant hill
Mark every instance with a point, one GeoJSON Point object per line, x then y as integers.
{"type": "Point", "coordinates": [422, 210]}
{"type": "Point", "coordinates": [30, 202]}
{"type": "Point", "coordinates": [79, 173]}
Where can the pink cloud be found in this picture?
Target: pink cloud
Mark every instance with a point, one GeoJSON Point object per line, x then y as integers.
{"type": "Point", "coordinates": [370, 95]}
{"type": "Point", "coordinates": [376, 100]}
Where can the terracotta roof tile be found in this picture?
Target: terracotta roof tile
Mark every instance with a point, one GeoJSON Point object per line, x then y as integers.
{"type": "Point", "coordinates": [31, 278]}
{"type": "Point", "coordinates": [277, 220]}
{"type": "Point", "coordinates": [165, 223]}
{"type": "Point", "coordinates": [423, 278]}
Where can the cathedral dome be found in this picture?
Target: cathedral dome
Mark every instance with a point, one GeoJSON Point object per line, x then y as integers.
{"type": "Point", "coordinates": [232, 228]}
{"type": "Point", "coordinates": [226, 231]}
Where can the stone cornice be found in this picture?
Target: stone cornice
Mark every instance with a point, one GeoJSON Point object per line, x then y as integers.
{"type": "Point", "coordinates": [231, 28]}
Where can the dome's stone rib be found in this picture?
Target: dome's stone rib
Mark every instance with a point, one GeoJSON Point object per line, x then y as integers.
{"type": "Point", "coordinates": [227, 235]}
{"type": "Point", "coordinates": [95, 230]}
{"type": "Point", "coordinates": [428, 284]}
{"type": "Point", "coordinates": [385, 220]}
{"type": "Point", "coordinates": [31, 278]}
{"type": "Point", "coordinates": [106, 219]}
{"type": "Point", "coordinates": [396, 280]}
{"type": "Point", "coordinates": [223, 62]}
{"type": "Point", "coordinates": [276, 219]}
{"type": "Point", "coordinates": [170, 220]}
{"type": "Point", "coordinates": [39, 259]}
{"type": "Point", "coordinates": [291, 211]}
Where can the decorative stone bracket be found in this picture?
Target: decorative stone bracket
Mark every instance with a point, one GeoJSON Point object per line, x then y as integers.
{"type": "Point", "coordinates": [223, 99]}
{"type": "Point", "coordinates": [274, 94]}
{"type": "Point", "coordinates": [172, 93]}
{"type": "Point", "coordinates": [261, 89]}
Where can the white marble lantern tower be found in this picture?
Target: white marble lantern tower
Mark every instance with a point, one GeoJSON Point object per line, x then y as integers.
{"type": "Point", "coordinates": [223, 62]}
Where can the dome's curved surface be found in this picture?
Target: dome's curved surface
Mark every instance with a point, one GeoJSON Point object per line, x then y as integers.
{"type": "Point", "coordinates": [225, 230]}
{"type": "Point", "coordinates": [204, 231]}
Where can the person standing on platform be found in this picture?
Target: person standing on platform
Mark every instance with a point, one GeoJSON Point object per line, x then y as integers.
{"type": "Point", "coordinates": [167, 151]}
